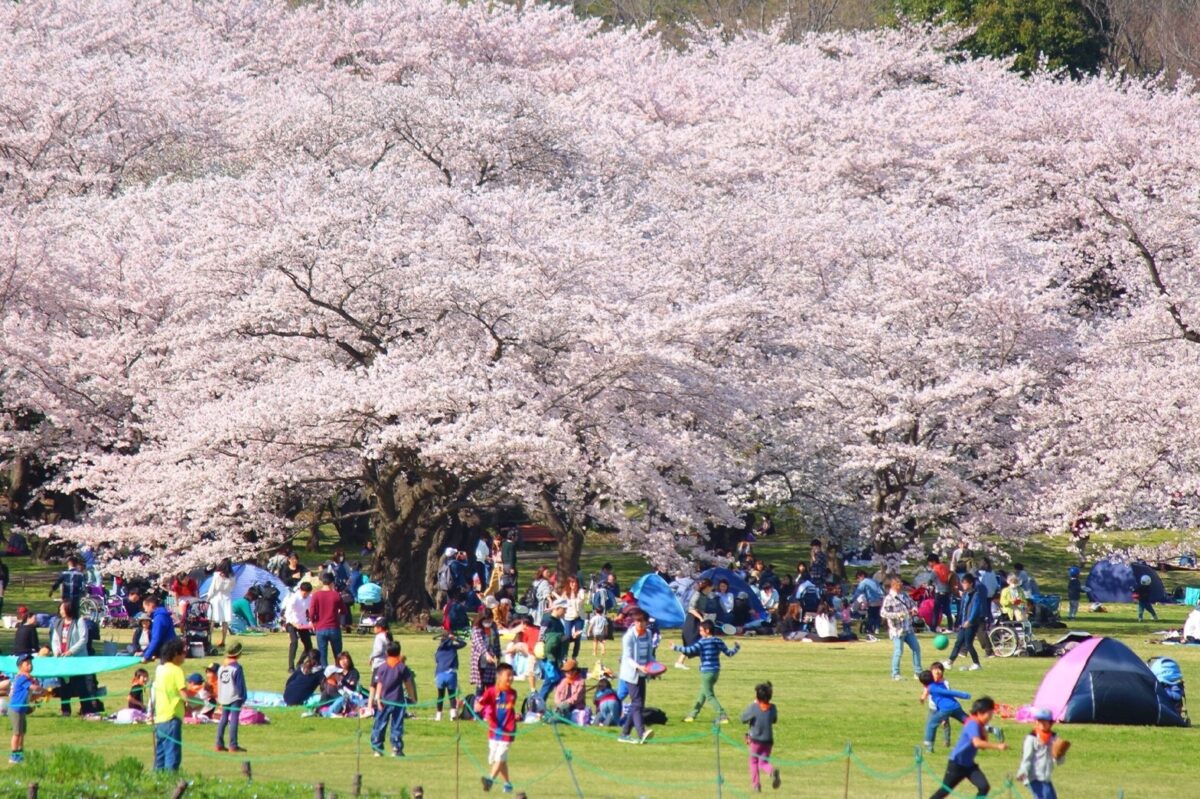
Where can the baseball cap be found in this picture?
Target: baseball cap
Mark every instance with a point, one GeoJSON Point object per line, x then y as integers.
{"type": "Point", "coordinates": [23, 657]}
{"type": "Point", "coordinates": [560, 604]}
{"type": "Point", "coordinates": [1042, 714]}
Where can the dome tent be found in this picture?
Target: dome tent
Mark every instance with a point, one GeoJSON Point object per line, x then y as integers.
{"type": "Point", "coordinates": [656, 598]}
{"type": "Point", "coordinates": [246, 576]}
{"type": "Point", "coordinates": [1102, 681]}
{"type": "Point", "coordinates": [1113, 581]}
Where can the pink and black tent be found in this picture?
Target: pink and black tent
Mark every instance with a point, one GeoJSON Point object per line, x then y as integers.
{"type": "Point", "coordinates": [1102, 681]}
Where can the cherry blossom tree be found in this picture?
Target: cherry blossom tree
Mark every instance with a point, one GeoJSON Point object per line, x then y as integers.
{"type": "Point", "coordinates": [449, 254]}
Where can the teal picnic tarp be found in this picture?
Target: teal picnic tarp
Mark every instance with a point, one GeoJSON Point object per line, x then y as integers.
{"type": "Point", "coordinates": [44, 667]}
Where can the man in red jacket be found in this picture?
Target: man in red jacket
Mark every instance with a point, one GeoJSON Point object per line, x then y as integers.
{"type": "Point", "coordinates": [325, 609]}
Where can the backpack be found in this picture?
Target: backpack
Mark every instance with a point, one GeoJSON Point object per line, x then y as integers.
{"type": "Point", "coordinates": [445, 580]}
{"type": "Point", "coordinates": [529, 598]}
{"type": "Point", "coordinates": [602, 600]}
{"type": "Point", "coordinates": [654, 715]}
{"type": "Point", "coordinates": [533, 704]}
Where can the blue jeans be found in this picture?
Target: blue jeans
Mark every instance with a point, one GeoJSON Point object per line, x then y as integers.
{"type": "Point", "coordinates": [395, 715]}
{"type": "Point", "coordinates": [168, 745]}
{"type": "Point", "coordinates": [898, 647]}
{"type": "Point", "coordinates": [571, 626]}
{"type": "Point", "coordinates": [334, 639]}
{"type": "Point", "coordinates": [229, 718]}
{"type": "Point", "coordinates": [936, 718]}
{"type": "Point", "coordinates": [1042, 790]}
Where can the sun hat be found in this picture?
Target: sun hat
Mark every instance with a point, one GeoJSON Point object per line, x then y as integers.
{"type": "Point", "coordinates": [234, 651]}
{"type": "Point", "coordinates": [561, 604]}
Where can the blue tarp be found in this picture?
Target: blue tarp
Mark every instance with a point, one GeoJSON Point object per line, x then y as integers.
{"type": "Point", "coordinates": [66, 667]}
{"type": "Point", "coordinates": [1110, 581]}
{"type": "Point", "coordinates": [656, 598]}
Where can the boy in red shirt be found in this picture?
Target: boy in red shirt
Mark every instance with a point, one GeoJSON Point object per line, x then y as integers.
{"type": "Point", "coordinates": [497, 705]}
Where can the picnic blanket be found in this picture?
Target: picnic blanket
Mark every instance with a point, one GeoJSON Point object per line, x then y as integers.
{"type": "Point", "coordinates": [64, 668]}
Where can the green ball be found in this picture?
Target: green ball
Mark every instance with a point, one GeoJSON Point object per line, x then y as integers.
{"type": "Point", "coordinates": [940, 642]}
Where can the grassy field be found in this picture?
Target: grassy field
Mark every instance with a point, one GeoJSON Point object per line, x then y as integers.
{"type": "Point", "coordinates": [829, 696]}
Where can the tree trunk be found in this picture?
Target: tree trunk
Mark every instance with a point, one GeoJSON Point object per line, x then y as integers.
{"type": "Point", "coordinates": [413, 514]}
{"type": "Point", "coordinates": [568, 534]}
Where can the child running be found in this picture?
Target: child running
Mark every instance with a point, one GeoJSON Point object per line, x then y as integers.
{"type": "Point", "coordinates": [445, 672]}
{"type": "Point", "coordinates": [497, 706]}
{"type": "Point", "coordinates": [962, 765]}
{"type": "Point", "coordinates": [761, 715]}
{"type": "Point", "coordinates": [710, 648]}
{"type": "Point", "coordinates": [943, 703]}
{"type": "Point", "coordinates": [1043, 751]}
{"type": "Point", "coordinates": [19, 704]}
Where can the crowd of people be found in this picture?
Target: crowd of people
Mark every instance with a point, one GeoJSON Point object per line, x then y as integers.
{"type": "Point", "coordinates": [536, 637]}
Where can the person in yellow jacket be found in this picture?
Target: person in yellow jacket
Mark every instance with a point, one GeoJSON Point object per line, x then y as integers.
{"type": "Point", "coordinates": [1013, 601]}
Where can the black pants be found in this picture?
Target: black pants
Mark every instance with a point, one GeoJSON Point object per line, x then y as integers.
{"type": "Point", "coordinates": [637, 701]}
{"type": "Point", "coordinates": [956, 774]}
{"type": "Point", "coordinates": [966, 640]}
{"type": "Point", "coordinates": [941, 610]}
{"type": "Point", "coordinates": [294, 635]}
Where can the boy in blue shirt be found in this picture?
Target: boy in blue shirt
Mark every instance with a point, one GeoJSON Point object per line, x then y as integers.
{"type": "Point", "coordinates": [962, 764]}
{"type": "Point", "coordinates": [445, 672]}
{"type": "Point", "coordinates": [710, 649]}
{"type": "Point", "coordinates": [391, 688]}
{"type": "Point", "coordinates": [20, 699]}
{"type": "Point", "coordinates": [943, 703]}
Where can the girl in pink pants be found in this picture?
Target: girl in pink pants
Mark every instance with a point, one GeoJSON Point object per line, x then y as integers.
{"type": "Point", "coordinates": [761, 715]}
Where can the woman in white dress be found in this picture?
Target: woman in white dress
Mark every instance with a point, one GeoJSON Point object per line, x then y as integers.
{"type": "Point", "coordinates": [220, 598]}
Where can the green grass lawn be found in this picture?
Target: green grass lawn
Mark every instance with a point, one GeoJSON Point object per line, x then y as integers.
{"type": "Point", "coordinates": [829, 696]}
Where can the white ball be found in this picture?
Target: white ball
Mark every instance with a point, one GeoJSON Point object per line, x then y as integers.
{"type": "Point", "coordinates": [1146, 579]}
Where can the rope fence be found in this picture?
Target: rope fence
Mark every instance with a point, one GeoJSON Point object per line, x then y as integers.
{"type": "Point", "coordinates": [470, 734]}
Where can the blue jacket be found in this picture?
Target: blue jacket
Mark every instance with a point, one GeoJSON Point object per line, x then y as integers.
{"type": "Point", "coordinates": [945, 698]}
{"type": "Point", "coordinates": [974, 610]}
{"type": "Point", "coordinates": [162, 629]}
{"type": "Point", "coordinates": [870, 590]}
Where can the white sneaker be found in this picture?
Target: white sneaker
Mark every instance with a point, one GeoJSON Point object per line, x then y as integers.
{"type": "Point", "coordinates": [453, 715]}
{"type": "Point", "coordinates": [973, 667]}
{"type": "Point", "coordinates": [437, 716]}
{"type": "Point", "coordinates": [683, 666]}
{"type": "Point", "coordinates": [897, 677]}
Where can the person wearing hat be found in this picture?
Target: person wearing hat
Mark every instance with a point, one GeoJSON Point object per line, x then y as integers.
{"type": "Point", "coordinates": [555, 642]}
{"type": "Point", "coordinates": [231, 695]}
{"type": "Point", "coordinates": [26, 640]}
{"type": "Point", "coordinates": [141, 633]}
{"type": "Point", "coordinates": [20, 702]}
{"type": "Point", "coordinates": [1042, 752]}
{"type": "Point", "coordinates": [325, 611]}
{"type": "Point", "coordinates": [569, 693]}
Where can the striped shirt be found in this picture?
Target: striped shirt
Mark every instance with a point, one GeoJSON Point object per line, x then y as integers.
{"type": "Point", "coordinates": [710, 650]}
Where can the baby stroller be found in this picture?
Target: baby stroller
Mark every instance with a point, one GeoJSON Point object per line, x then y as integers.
{"type": "Point", "coordinates": [198, 630]}
{"type": "Point", "coordinates": [266, 604]}
{"type": "Point", "coordinates": [1170, 684]}
{"type": "Point", "coordinates": [370, 601]}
